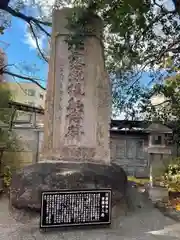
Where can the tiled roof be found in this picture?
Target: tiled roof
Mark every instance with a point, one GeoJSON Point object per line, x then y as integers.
{"type": "Point", "coordinates": [159, 128]}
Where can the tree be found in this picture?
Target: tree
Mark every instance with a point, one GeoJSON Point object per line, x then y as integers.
{"type": "Point", "coordinates": [4, 119]}
{"type": "Point", "coordinates": [140, 35]}
{"type": "Point", "coordinates": [8, 140]}
{"type": "Point", "coordinates": [168, 109]}
{"type": "Point", "coordinates": [4, 103]}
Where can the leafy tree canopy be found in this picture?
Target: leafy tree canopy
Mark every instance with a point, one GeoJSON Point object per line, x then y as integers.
{"type": "Point", "coordinates": [6, 96]}
{"type": "Point", "coordinates": [167, 110]}
{"type": "Point", "coordinates": [168, 107]}
{"type": "Point", "coordinates": [141, 35]}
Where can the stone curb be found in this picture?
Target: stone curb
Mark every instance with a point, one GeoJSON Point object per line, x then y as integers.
{"type": "Point", "coordinates": [168, 213]}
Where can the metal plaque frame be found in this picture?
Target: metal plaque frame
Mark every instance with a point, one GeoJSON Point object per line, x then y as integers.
{"type": "Point", "coordinates": [56, 193]}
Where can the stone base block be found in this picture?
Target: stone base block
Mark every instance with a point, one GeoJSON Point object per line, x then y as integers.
{"type": "Point", "coordinates": [27, 184]}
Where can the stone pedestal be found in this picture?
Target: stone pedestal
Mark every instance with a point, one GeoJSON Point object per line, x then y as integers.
{"type": "Point", "coordinates": [78, 108]}
{"type": "Point", "coordinates": [28, 184]}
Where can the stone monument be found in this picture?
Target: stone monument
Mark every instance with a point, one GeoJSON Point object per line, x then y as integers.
{"type": "Point", "coordinates": [78, 108]}
{"type": "Point", "coordinates": [76, 153]}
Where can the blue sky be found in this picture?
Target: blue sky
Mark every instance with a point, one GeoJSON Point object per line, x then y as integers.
{"type": "Point", "coordinates": [19, 50]}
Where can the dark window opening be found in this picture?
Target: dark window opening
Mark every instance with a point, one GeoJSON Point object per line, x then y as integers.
{"type": "Point", "coordinates": [41, 96]}
{"type": "Point", "coordinates": [157, 140]}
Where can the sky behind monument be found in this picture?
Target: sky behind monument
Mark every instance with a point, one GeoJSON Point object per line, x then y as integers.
{"type": "Point", "coordinates": [21, 48]}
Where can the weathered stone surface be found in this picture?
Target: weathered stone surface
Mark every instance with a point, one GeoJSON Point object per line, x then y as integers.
{"type": "Point", "coordinates": [27, 184]}
{"type": "Point", "coordinates": [78, 100]}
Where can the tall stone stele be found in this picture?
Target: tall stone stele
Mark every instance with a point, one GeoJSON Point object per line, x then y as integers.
{"type": "Point", "coordinates": [78, 104]}
{"type": "Point", "coordinates": [76, 152]}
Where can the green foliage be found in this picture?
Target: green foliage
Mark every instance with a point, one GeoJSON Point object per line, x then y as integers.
{"type": "Point", "coordinates": [9, 160]}
{"type": "Point", "coordinates": [131, 38]}
{"type": "Point", "coordinates": [5, 111]}
{"type": "Point", "coordinates": [7, 176]}
{"type": "Point", "coordinates": [5, 115]}
{"type": "Point", "coordinates": [167, 110]}
{"type": "Point", "coordinates": [171, 177]}
{"type": "Point", "coordinates": [138, 181]}
{"type": "Point", "coordinates": [139, 34]}
{"type": "Point", "coordinates": [1, 30]}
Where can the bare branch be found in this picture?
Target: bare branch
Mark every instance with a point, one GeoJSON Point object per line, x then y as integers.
{"type": "Point", "coordinates": [4, 67]}
{"type": "Point", "coordinates": [42, 29]}
{"type": "Point", "coordinates": [159, 104]}
{"type": "Point", "coordinates": [37, 43]}
{"type": "Point", "coordinates": [35, 81]}
{"type": "Point", "coordinates": [157, 59]}
{"type": "Point", "coordinates": [4, 3]}
{"type": "Point", "coordinates": [28, 19]}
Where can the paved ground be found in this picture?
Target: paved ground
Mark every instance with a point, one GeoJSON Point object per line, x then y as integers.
{"type": "Point", "coordinates": [143, 223]}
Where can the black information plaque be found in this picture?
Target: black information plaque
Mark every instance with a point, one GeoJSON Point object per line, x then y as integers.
{"type": "Point", "coordinates": [75, 208]}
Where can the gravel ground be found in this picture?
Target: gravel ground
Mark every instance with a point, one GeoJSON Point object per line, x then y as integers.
{"type": "Point", "coordinates": [143, 222]}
